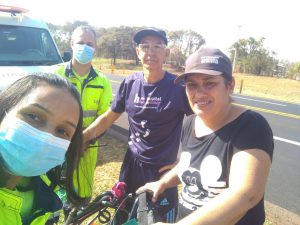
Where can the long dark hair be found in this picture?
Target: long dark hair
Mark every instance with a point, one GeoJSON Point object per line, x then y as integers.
{"type": "Point", "coordinates": [11, 97]}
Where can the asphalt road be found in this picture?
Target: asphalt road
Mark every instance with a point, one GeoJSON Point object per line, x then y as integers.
{"type": "Point", "coordinates": [283, 187]}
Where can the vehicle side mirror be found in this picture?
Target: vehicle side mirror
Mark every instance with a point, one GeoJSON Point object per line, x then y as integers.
{"type": "Point", "coordinates": [67, 56]}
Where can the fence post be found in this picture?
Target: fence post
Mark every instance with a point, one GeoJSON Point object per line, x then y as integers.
{"type": "Point", "coordinates": [241, 86]}
{"type": "Point", "coordinates": [123, 68]}
{"type": "Point", "coordinates": [112, 68]}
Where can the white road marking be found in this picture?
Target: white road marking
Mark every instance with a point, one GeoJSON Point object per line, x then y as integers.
{"type": "Point", "coordinates": [255, 100]}
{"type": "Point", "coordinates": [287, 141]}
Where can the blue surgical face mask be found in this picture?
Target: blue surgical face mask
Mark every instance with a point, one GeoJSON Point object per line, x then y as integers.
{"type": "Point", "coordinates": [27, 151]}
{"type": "Point", "coordinates": [83, 53]}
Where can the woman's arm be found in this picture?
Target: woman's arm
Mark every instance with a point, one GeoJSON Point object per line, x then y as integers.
{"type": "Point", "coordinates": [168, 180]}
{"type": "Point", "coordinates": [248, 176]}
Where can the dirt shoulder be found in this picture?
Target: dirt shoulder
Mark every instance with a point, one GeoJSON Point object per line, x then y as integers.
{"type": "Point", "coordinates": [280, 216]}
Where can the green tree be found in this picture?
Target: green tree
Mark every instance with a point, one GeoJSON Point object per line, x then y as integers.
{"type": "Point", "coordinates": [251, 56]}
{"type": "Point", "coordinates": [183, 43]}
{"type": "Point", "coordinates": [294, 71]}
{"type": "Point", "coordinates": [116, 42]}
{"type": "Point", "coordinates": [59, 36]}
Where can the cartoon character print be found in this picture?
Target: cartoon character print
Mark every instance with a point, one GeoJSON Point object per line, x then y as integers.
{"type": "Point", "coordinates": [197, 179]}
{"type": "Point", "coordinates": [192, 184]}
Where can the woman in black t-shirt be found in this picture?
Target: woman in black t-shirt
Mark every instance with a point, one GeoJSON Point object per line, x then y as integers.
{"type": "Point", "coordinates": [226, 150]}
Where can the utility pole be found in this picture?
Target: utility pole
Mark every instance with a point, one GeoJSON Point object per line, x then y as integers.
{"type": "Point", "coordinates": [234, 60]}
{"type": "Point", "coordinates": [235, 50]}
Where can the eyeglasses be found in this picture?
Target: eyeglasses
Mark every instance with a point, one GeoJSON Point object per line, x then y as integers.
{"type": "Point", "coordinates": [193, 87]}
{"type": "Point", "coordinates": [154, 47]}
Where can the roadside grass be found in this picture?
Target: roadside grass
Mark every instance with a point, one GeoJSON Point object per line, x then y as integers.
{"type": "Point", "coordinates": [268, 87]}
{"type": "Point", "coordinates": [108, 167]}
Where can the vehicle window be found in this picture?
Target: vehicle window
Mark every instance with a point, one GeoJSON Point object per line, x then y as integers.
{"type": "Point", "coordinates": [25, 46]}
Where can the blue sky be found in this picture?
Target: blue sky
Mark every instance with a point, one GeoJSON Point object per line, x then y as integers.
{"type": "Point", "coordinates": [220, 22]}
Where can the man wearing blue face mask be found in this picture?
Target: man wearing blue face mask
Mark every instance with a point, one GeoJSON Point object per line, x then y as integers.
{"type": "Point", "coordinates": [96, 95]}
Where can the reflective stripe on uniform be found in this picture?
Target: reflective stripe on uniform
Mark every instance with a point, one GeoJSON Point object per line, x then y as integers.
{"type": "Point", "coordinates": [89, 113]}
{"type": "Point", "coordinates": [95, 86]}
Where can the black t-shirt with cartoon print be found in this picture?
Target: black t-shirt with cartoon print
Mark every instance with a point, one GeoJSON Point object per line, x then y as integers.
{"type": "Point", "coordinates": [205, 161]}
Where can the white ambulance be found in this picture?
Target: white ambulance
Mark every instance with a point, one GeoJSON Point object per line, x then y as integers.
{"type": "Point", "coordinates": [26, 45]}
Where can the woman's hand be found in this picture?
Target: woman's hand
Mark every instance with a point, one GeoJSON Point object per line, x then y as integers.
{"type": "Point", "coordinates": [156, 188]}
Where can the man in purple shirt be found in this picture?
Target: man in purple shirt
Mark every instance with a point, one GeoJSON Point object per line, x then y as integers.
{"type": "Point", "coordinates": [156, 108]}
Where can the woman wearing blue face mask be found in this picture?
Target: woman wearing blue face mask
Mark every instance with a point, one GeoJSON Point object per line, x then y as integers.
{"type": "Point", "coordinates": [40, 128]}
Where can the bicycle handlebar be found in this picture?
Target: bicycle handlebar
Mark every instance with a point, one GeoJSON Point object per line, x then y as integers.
{"type": "Point", "coordinates": [99, 204]}
{"type": "Point", "coordinates": [143, 211]}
